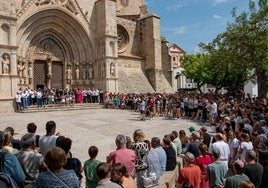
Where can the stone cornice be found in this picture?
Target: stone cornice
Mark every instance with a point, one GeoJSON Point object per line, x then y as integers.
{"type": "Point", "coordinates": [8, 47]}
{"type": "Point", "coordinates": [8, 17]}
{"type": "Point", "coordinates": [129, 56]}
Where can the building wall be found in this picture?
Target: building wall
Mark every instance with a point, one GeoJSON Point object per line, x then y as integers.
{"type": "Point", "coordinates": [82, 38]}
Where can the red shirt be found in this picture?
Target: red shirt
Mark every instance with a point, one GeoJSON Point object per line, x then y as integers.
{"type": "Point", "coordinates": [125, 156]}
{"type": "Point", "coordinates": [192, 174]}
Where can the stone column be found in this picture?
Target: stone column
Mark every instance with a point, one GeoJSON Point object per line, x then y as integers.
{"type": "Point", "coordinates": [13, 63]}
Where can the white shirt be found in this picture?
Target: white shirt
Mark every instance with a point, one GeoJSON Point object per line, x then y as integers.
{"type": "Point", "coordinates": [245, 146]}
{"type": "Point", "coordinates": [233, 144]}
{"type": "Point", "coordinates": [46, 142]}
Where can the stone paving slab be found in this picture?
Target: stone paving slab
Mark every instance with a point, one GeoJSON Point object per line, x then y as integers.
{"type": "Point", "coordinates": [97, 127]}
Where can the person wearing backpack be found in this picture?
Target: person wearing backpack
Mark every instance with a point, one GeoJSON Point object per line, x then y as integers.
{"type": "Point", "coordinates": [10, 165]}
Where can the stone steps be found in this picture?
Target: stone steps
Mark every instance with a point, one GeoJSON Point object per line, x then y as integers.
{"type": "Point", "coordinates": [50, 108]}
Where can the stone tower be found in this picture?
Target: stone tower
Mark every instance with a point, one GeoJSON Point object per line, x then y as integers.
{"type": "Point", "coordinates": [112, 45]}
{"type": "Point", "coordinates": [106, 42]}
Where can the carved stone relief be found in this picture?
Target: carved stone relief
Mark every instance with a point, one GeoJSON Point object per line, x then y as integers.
{"type": "Point", "coordinates": [49, 46]}
{"type": "Point", "coordinates": [69, 4]}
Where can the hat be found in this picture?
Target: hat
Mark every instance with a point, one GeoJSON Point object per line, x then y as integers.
{"type": "Point", "coordinates": [189, 157]}
{"type": "Point", "coordinates": [226, 118]}
{"type": "Point", "coordinates": [204, 129]}
{"type": "Point", "coordinates": [195, 134]}
{"type": "Point", "coordinates": [191, 129]}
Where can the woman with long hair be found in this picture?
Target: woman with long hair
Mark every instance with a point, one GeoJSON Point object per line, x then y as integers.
{"type": "Point", "coordinates": [202, 161]}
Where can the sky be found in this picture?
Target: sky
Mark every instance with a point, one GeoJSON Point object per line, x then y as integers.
{"type": "Point", "coordinates": [189, 22]}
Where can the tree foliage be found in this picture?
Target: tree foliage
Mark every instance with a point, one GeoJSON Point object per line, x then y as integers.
{"type": "Point", "coordinates": [233, 54]}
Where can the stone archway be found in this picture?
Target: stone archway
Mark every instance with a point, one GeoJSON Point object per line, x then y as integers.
{"type": "Point", "coordinates": [56, 34]}
{"type": "Point", "coordinates": [48, 64]}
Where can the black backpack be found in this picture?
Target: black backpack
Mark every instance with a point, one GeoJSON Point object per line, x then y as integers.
{"type": "Point", "coordinates": [5, 180]}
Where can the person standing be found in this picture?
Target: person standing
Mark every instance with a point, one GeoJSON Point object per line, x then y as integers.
{"type": "Point", "coordinates": [31, 161]}
{"type": "Point", "coordinates": [156, 145]}
{"type": "Point", "coordinates": [90, 167]}
{"type": "Point", "coordinates": [154, 165]}
{"type": "Point", "coordinates": [203, 160]}
{"type": "Point", "coordinates": [56, 176]}
{"type": "Point", "coordinates": [48, 140]}
{"type": "Point", "coordinates": [18, 101]}
{"type": "Point", "coordinates": [123, 155]}
{"type": "Point", "coordinates": [253, 169]}
{"type": "Point", "coordinates": [235, 180]}
{"type": "Point", "coordinates": [216, 171]}
{"type": "Point", "coordinates": [11, 165]}
{"type": "Point", "coordinates": [119, 174]}
{"type": "Point", "coordinates": [104, 171]}
{"type": "Point", "coordinates": [142, 108]}
{"type": "Point", "coordinates": [190, 173]}
{"type": "Point", "coordinates": [206, 137]}
{"type": "Point", "coordinates": [263, 160]}
{"type": "Point", "coordinates": [222, 147]}
{"type": "Point", "coordinates": [141, 150]}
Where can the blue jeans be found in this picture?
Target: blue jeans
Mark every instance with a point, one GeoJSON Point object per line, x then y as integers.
{"type": "Point", "coordinates": [39, 102]}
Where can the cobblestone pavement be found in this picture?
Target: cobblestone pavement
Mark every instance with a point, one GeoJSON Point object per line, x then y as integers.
{"type": "Point", "coordinates": [97, 127]}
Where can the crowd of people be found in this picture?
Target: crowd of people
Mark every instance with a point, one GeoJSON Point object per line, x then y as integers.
{"type": "Point", "coordinates": [56, 97]}
{"type": "Point", "coordinates": [235, 157]}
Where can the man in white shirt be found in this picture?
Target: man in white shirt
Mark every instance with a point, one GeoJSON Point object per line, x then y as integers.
{"type": "Point", "coordinates": [222, 147]}
{"type": "Point", "coordinates": [48, 140]}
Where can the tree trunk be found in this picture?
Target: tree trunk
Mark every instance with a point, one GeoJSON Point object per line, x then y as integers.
{"type": "Point", "coordinates": [262, 84]}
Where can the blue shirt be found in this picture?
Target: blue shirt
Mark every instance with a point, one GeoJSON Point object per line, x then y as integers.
{"type": "Point", "coordinates": [154, 165]}
{"type": "Point", "coordinates": [12, 168]}
{"type": "Point", "coordinates": [162, 157]}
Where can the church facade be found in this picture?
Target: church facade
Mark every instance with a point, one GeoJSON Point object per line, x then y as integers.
{"type": "Point", "coordinates": [112, 45]}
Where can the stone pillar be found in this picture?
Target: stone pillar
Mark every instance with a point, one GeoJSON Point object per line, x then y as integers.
{"type": "Point", "coordinates": [106, 34]}
{"type": "Point", "coordinates": [151, 43]}
{"type": "Point", "coordinates": [13, 63]}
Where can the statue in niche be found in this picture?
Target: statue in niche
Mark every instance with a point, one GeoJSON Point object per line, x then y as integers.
{"type": "Point", "coordinates": [104, 70]}
{"type": "Point", "coordinates": [24, 71]}
{"type": "Point", "coordinates": [99, 70]}
{"type": "Point", "coordinates": [77, 72]}
{"type": "Point", "coordinates": [112, 70]}
{"type": "Point", "coordinates": [69, 74]}
{"type": "Point", "coordinates": [49, 65]}
{"type": "Point", "coordinates": [30, 72]}
{"type": "Point", "coordinates": [21, 67]}
{"type": "Point", "coordinates": [84, 72]}
{"type": "Point", "coordinates": [5, 64]}
{"type": "Point", "coordinates": [90, 72]}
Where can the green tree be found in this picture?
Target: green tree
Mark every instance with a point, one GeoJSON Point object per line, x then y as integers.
{"type": "Point", "coordinates": [240, 49]}
{"type": "Point", "coordinates": [195, 67]}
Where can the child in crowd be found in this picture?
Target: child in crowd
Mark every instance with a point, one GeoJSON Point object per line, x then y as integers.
{"type": "Point", "coordinates": [90, 167]}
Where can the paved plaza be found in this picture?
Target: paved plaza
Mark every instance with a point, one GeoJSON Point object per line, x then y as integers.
{"type": "Point", "coordinates": [97, 127]}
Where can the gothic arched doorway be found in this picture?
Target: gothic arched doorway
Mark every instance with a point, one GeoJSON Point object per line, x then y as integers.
{"type": "Point", "coordinates": [48, 65]}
